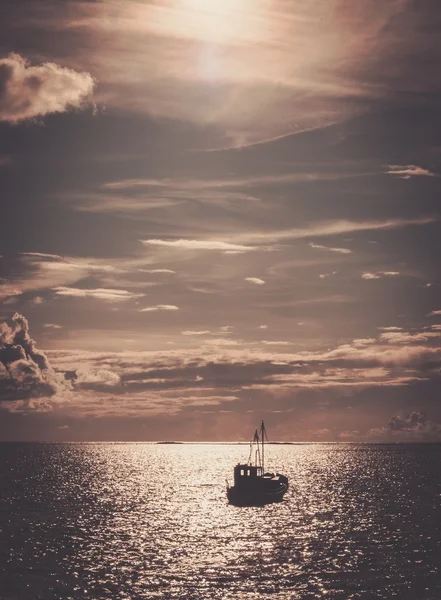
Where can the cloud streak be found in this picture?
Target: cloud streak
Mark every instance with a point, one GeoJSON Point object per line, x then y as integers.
{"type": "Point", "coordinates": [379, 274]}
{"type": "Point", "coordinates": [233, 66]}
{"type": "Point", "coordinates": [329, 249]}
{"type": "Point", "coordinates": [108, 295]}
{"type": "Point", "coordinates": [198, 245]}
{"type": "Point", "coordinates": [408, 171]}
{"type": "Point", "coordinates": [167, 307]}
{"type": "Point", "coordinates": [331, 228]}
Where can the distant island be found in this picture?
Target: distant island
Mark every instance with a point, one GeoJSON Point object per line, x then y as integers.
{"type": "Point", "coordinates": [169, 442]}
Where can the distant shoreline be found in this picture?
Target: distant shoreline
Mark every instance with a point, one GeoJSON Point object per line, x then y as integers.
{"type": "Point", "coordinates": [230, 443]}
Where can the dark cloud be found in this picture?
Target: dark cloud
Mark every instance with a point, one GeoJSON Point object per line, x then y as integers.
{"type": "Point", "coordinates": [413, 421]}
{"type": "Point", "coordinates": [413, 426]}
{"type": "Point", "coordinates": [27, 91]}
{"type": "Point", "coordinates": [25, 372]}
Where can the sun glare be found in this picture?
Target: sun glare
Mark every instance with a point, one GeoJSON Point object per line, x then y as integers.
{"type": "Point", "coordinates": [217, 21]}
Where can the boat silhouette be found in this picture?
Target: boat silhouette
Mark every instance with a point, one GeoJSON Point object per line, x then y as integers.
{"type": "Point", "coordinates": [252, 486]}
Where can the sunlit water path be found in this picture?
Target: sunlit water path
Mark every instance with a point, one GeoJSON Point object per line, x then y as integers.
{"type": "Point", "coordinates": [145, 521]}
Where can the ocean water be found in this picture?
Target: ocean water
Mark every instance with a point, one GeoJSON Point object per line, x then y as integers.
{"type": "Point", "coordinates": [129, 521]}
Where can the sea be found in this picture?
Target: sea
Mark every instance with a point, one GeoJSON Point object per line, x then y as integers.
{"type": "Point", "coordinates": [146, 521]}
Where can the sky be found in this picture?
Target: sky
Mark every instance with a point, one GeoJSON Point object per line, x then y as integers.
{"type": "Point", "coordinates": [214, 213]}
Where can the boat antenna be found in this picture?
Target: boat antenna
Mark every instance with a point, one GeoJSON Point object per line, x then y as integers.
{"type": "Point", "coordinates": [256, 440]}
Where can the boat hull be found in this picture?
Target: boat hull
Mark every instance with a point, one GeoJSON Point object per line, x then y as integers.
{"type": "Point", "coordinates": [256, 497]}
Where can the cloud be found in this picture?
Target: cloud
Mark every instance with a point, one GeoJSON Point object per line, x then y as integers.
{"type": "Point", "coordinates": [379, 274]}
{"type": "Point", "coordinates": [92, 379]}
{"type": "Point", "coordinates": [52, 326]}
{"type": "Point", "coordinates": [232, 66]}
{"type": "Point", "coordinates": [413, 426]}
{"type": "Point", "coordinates": [198, 245]}
{"type": "Point", "coordinates": [225, 330]}
{"type": "Point", "coordinates": [180, 186]}
{"type": "Point", "coordinates": [25, 372]}
{"type": "Point", "coordinates": [192, 332]}
{"type": "Point", "coordinates": [109, 295]}
{"type": "Point", "coordinates": [159, 307]}
{"type": "Point", "coordinates": [360, 342]}
{"type": "Point", "coordinates": [331, 228]}
{"type": "Point", "coordinates": [232, 364]}
{"type": "Point", "coordinates": [221, 342]}
{"type": "Point", "coordinates": [434, 313]}
{"type": "Point", "coordinates": [414, 420]}
{"type": "Point", "coordinates": [28, 92]}
{"type": "Point", "coordinates": [393, 328]}
{"type": "Point", "coordinates": [403, 337]}
{"type": "Point", "coordinates": [339, 250]}
{"type": "Point", "coordinates": [157, 271]}
{"type": "Point", "coordinates": [255, 280]}
{"type": "Point", "coordinates": [408, 171]}
{"type": "Point", "coordinates": [38, 271]}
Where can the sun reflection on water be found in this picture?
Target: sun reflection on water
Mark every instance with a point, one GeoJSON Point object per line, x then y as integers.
{"type": "Point", "coordinates": [152, 521]}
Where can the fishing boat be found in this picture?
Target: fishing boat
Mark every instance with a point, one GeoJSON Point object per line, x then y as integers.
{"type": "Point", "coordinates": [252, 486]}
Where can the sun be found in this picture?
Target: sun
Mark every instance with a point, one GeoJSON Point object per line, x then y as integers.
{"type": "Point", "coordinates": [216, 21]}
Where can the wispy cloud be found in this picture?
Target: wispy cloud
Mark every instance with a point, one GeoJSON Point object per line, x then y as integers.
{"type": "Point", "coordinates": [35, 91]}
{"type": "Point", "coordinates": [192, 332]}
{"type": "Point", "coordinates": [379, 274]}
{"type": "Point", "coordinates": [109, 295]}
{"type": "Point", "coordinates": [434, 313]}
{"type": "Point", "coordinates": [331, 228]}
{"type": "Point", "coordinates": [252, 181]}
{"type": "Point", "coordinates": [241, 56]}
{"type": "Point", "coordinates": [329, 249]}
{"type": "Point", "coordinates": [255, 280]}
{"type": "Point", "coordinates": [37, 271]}
{"type": "Point", "coordinates": [408, 171]}
{"type": "Point", "coordinates": [157, 271]}
{"type": "Point", "coordinates": [159, 307]}
{"type": "Point", "coordinates": [198, 245]}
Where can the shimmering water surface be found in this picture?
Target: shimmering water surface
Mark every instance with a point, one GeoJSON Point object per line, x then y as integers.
{"type": "Point", "coordinates": [132, 521]}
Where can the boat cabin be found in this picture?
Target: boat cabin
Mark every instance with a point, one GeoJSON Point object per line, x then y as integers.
{"type": "Point", "coordinates": [244, 474]}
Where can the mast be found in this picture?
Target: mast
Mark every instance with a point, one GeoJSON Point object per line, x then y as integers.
{"type": "Point", "coordinates": [263, 447]}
